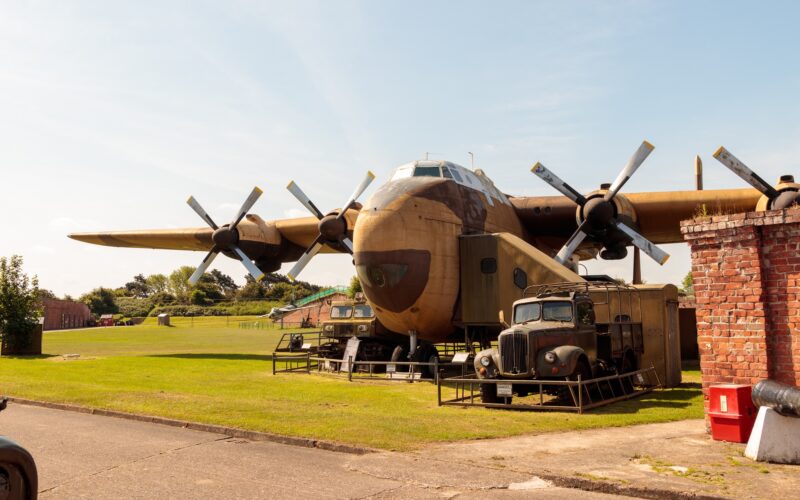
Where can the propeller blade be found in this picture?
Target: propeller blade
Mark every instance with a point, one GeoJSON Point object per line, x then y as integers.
{"type": "Point", "coordinates": [301, 196]}
{"type": "Point", "coordinates": [254, 271]}
{"type": "Point", "coordinates": [202, 213]}
{"type": "Point", "coordinates": [348, 244]}
{"type": "Point", "coordinates": [571, 245]}
{"type": "Point", "coordinates": [644, 244]}
{"type": "Point", "coordinates": [304, 259]}
{"type": "Point", "coordinates": [634, 163]}
{"type": "Point", "coordinates": [737, 167]}
{"type": "Point", "coordinates": [203, 266]}
{"type": "Point", "coordinates": [247, 205]}
{"type": "Point", "coordinates": [359, 190]}
{"type": "Point", "coordinates": [562, 187]}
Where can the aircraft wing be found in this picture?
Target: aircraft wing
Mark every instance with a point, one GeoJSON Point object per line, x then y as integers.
{"type": "Point", "coordinates": [268, 243]}
{"type": "Point", "coordinates": [658, 214]}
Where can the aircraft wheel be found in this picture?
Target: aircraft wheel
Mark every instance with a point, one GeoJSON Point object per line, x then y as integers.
{"type": "Point", "coordinates": [427, 353]}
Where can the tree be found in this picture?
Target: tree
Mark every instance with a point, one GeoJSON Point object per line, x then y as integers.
{"type": "Point", "coordinates": [179, 283]}
{"type": "Point", "coordinates": [355, 287]}
{"type": "Point", "coordinates": [101, 301]}
{"type": "Point", "coordinates": [157, 283]}
{"type": "Point", "coordinates": [688, 284]}
{"type": "Point", "coordinates": [19, 303]}
{"type": "Point", "coordinates": [138, 287]}
{"type": "Point", "coordinates": [224, 282]}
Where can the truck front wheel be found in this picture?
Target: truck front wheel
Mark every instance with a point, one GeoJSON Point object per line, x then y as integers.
{"type": "Point", "coordinates": [489, 394]}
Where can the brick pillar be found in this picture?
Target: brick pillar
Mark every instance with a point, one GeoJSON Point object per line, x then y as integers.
{"type": "Point", "coordinates": [746, 272]}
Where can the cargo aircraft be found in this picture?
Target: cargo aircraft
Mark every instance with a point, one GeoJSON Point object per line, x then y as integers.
{"type": "Point", "coordinates": [405, 238]}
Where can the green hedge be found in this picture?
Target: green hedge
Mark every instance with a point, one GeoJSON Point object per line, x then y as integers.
{"type": "Point", "coordinates": [253, 308]}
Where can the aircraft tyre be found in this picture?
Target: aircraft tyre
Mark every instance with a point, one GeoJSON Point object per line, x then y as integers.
{"type": "Point", "coordinates": [427, 353]}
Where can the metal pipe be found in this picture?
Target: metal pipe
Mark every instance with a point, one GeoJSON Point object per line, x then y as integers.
{"type": "Point", "coordinates": [782, 398]}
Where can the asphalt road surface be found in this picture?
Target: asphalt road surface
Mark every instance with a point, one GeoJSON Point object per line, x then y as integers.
{"type": "Point", "coordinates": [89, 456]}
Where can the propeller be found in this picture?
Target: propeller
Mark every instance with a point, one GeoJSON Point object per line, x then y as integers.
{"type": "Point", "coordinates": [778, 198]}
{"type": "Point", "coordinates": [332, 227]}
{"type": "Point", "coordinates": [599, 214]}
{"type": "Point", "coordinates": [226, 237]}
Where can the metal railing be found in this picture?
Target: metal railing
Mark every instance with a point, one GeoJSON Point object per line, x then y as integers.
{"type": "Point", "coordinates": [550, 395]}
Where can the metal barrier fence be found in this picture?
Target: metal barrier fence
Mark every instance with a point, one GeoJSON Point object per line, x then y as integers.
{"type": "Point", "coordinates": [550, 395]}
{"type": "Point", "coordinates": [408, 371]}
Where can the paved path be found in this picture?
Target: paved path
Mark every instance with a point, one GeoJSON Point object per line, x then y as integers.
{"type": "Point", "coordinates": [90, 456]}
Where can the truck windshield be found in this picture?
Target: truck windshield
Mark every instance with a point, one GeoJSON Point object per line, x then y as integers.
{"type": "Point", "coordinates": [363, 311]}
{"type": "Point", "coordinates": [339, 312]}
{"type": "Point", "coordinates": [557, 311]}
{"type": "Point", "coordinates": [527, 312]}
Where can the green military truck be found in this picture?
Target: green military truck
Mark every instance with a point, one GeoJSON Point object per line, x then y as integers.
{"type": "Point", "coordinates": [585, 329]}
{"type": "Point", "coordinates": [355, 318]}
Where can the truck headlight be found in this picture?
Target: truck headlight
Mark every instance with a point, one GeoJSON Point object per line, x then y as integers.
{"type": "Point", "coordinates": [328, 328]}
{"type": "Point", "coordinates": [550, 357]}
{"type": "Point", "coordinates": [362, 328]}
{"type": "Point", "coordinates": [486, 361]}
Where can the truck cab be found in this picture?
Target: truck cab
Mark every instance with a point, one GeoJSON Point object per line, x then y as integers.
{"type": "Point", "coordinates": [567, 330]}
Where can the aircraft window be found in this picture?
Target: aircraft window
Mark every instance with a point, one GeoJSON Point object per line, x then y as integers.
{"type": "Point", "coordinates": [557, 311]}
{"type": "Point", "coordinates": [363, 311]}
{"type": "Point", "coordinates": [403, 172]}
{"type": "Point", "coordinates": [456, 175]}
{"type": "Point", "coordinates": [527, 312]}
{"type": "Point", "coordinates": [488, 265]}
{"type": "Point", "coordinates": [339, 312]}
{"type": "Point", "coordinates": [427, 172]}
{"type": "Point", "coordinates": [446, 172]}
{"type": "Point", "coordinates": [520, 278]}
{"type": "Point", "coordinates": [382, 275]}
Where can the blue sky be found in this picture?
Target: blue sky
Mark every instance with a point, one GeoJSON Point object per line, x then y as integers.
{"type": "Point", "coordinates": [113, 113]}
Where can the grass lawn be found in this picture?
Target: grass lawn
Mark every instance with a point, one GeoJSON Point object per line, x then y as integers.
{"type": "Point", "coordinates": [211, 371]}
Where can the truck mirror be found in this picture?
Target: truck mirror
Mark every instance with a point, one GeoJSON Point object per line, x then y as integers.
{"type": "Point", "coordinates": [502, 317]}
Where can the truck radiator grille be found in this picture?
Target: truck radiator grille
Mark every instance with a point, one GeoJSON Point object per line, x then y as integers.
{"type": "Point", "coordinates": [514, 352]}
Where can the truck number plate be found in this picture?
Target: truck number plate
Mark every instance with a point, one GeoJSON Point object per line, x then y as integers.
{"type": "Point", "coordinates": [504, 390]}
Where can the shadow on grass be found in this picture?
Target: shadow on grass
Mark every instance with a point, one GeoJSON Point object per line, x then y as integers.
{"type": "Point", "coordinates": [29, 356]}
{"type": "Point", "coordinates": [667, 399]}
{"type": "Point", "coordinates": [219, 356]}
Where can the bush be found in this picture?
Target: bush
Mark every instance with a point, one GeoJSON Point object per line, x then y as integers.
{"type": "Point", "coordinates": [132, 307]}
{"type": "Point", "coordinates": [253, 308]}
{"type": "Point", "coordinates": [19, 304]}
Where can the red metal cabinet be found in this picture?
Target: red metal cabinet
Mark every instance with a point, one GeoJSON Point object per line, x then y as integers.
{"type": "Point", "coordinates": [731, 411]}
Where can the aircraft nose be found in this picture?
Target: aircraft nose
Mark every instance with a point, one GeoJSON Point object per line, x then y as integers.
{"type": "Point", "coordinates": [393, 279]}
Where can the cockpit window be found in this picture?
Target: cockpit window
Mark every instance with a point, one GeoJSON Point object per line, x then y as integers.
{"type": "Point", "coordinates": [456, 175]}
{"type": "Point", "coordinates": [427, 172]}
{"type": "Point", "coordinates": [446, 172]}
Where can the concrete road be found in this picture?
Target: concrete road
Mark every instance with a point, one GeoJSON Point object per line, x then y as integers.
{"type": "Point", "coordinates": [90, 456]}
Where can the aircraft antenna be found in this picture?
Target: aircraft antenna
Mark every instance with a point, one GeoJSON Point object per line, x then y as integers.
{"type": "Point", "coordinates": [471, 160]}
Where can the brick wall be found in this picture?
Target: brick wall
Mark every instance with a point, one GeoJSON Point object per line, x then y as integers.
{"type": "Point", "coordinates": [746, 271]}
{"type": "Point", "coordinates": [60, 314]}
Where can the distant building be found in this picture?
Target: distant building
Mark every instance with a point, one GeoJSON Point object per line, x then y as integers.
{"type": "Point", "coordinates": [313, 310]}
{"type": "Point", "coordinates": [106, 320]}
{"type": "Point", "coordinates": [61, 314]}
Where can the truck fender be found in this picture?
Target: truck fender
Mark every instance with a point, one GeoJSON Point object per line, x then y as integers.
{"type": "Point", "coordinates": [566, 359]}
{"type": "Point", "coordinates": [18, 469]}
{"type": "Point", "coordinates": [494, 366]}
